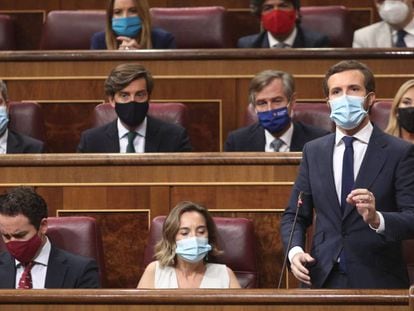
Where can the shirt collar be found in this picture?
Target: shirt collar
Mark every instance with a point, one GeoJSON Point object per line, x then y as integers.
{"type": "Point", "coordinates": [141, 130]}
{"type": "Point", "coordinates": [409, 28]}
{"type": "Point", "coordinates": [3, 141]}
{"type": "Point", "coordinates": [363, 135]}
{"type": "Point", "coordinates": [288, 41]}
{"type": "Point", "coordinates": [286, 137]}
{"type": "Point", "coordinates": [43, 257]}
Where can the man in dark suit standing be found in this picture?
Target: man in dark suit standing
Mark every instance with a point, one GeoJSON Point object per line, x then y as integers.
{"type": "Point", "coordinates": [11, 141]}
{"type": "Point", "coordinates": [280, 20]}
{"type": "Point", "coordinates": [358, 182]}
{"type": "Point", "coordinates": [32, 261]}
{"type": "Point", "coordinates": [129, 88]}
{"type": "Point", "coordinates": [272, 94]}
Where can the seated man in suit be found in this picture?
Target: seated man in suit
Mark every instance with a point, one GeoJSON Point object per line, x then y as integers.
{"type": "Point", "coordinates": [272, 93]}
{"type": "Point", "coordinates": [11, 141]}
{"type": "Point", "coordinates": [395, 30]}
{"type": "Point", "coordinates": [32, 261]}
{"type": "Point", "coordinates": [280, 20]}
{"type": "Point", "coordinates": [129, 88]}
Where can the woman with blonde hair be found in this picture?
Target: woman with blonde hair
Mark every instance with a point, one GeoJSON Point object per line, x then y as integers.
{"type": "Point", "coordinates": [128, 27]}
{"type": "Point", "coordinates": [189, 237]}
{"type": "Point", "coordinates": [401, 120]}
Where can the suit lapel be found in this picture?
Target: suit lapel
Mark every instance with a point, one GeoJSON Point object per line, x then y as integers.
{"type": "Point", "coordinates": [256, 139]}
{"type": "Point", "coordinates": [373, 162]}
{"type": "Point", "coordinates": [111, 136]}
{"type": "Point", "coordinates": [7, 271]}
{"type": "Point", "coordinates": [261, 41]}
{"type": "Point", "coordinates": [384, 36]}
{"type": "Point", "coordinates": [297, 138]}
{"type": "Point", "coordinates": [299, 41]}
{"type": "Point", "coordinates": [56, 269]}
{"type": "Point", "coordinates": [152, 136]}
{"type": "Point", "coordinates": [13, 145]}
{"type": "Point", "coordinates": [325, 168]}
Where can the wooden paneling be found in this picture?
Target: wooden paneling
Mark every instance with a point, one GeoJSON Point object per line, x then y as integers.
{"type": "Point", "coordinates": [63, 134]}
{"type": "Point", "coordinates": [212, 83]}
{"type": "Point", "coordinates": [206, 300]}
{"type": "Point", "coordinates": [124, 192]}
{"type": "Point", "coordinates": [240, 21]}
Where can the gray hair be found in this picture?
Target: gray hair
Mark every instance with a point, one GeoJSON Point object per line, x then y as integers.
{"type": "Point", "coordinates": [264, 78]}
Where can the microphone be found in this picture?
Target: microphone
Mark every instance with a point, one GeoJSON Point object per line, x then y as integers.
{"type": "Point", "coordinates": [299, 203]}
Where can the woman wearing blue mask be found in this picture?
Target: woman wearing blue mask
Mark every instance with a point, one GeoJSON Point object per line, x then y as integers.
{"type": "Point", "coordinates": [401, 120]}
{"type": "Point", "coordinates": [128, 27]}
{"type": "Point", "coordinates": [189, 236]}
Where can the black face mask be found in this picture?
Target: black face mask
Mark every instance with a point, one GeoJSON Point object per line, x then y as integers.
{"type": "Point", "coordinates": [132, 113]}
{"type": "Point", "coordinates": [406, 118]}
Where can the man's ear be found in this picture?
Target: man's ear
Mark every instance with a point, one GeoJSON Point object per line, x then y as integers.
{"type": "Point", "coordinates": [370, 101]}
{"type": "Point", "coordinates": [111, 100]}
{"type": "Point", "coordinates": [292, 103]}
{"type": "Point", "coordinates": [43, 226]}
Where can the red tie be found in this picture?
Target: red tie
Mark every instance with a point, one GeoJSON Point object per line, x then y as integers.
{"type": "Point", "coordinates": [26, 278]}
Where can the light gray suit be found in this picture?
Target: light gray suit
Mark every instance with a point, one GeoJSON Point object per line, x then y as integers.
{"type": "Point", "coordinates": [377, 35]}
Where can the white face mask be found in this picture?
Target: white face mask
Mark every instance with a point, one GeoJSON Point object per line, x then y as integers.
{"type": "Point", "coordinates": [393, 11]}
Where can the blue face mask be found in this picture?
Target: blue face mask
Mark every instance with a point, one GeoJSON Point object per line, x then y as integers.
{"type": "Point", "coordinates": [4, 119]}
{"type": "Point", "coordinates": [127, 26]}
{"type": "Point", "coordinates": [274, 120]}
{"type": "Point", "coordinates": [192, 249]}
{"type": "Point", "coordinates": [348, 111]}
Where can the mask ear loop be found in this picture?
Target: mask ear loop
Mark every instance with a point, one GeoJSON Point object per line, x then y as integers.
{"type": "Point", "coordinates": [369, 106]}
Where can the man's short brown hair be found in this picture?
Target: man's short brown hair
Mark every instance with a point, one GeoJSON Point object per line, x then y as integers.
{"type": "Point", "coordinates": [346, 65]}
{"type": "Point", "coordinates": [122, 75]}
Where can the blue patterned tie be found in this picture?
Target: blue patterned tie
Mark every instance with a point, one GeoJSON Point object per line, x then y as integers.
{"type": "Point", "coordinates": [400, 39]}
{"type": "Point", "coordinates": [347, 184]}
{"type": "Point", "coordinates": [276, 144]}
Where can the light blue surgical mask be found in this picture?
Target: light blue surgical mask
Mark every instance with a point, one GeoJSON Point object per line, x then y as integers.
{"type": "Point", "coordinates": [4, 119]}
{"type": "Point", "coordinates": [127, 26]}
{"type": "Point", "coordinates": [274, 120]}
{"type": "Point", "coordinates": [192, 249]}
{"type": "Point", "coordinates": [348, 111]}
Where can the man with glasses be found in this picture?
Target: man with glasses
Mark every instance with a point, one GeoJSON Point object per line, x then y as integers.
{"type": "Point", "coordinates": [280, 20]}
{"type": "Point", "coordinates": [128, 88]}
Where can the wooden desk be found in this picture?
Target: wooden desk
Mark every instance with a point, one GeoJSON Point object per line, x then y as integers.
{"type": "Point", "coordinates": [124, 192]}
{"type": "Point", "coordinates": [205, 300]}
{"type": "Point", "coordinates": [212, 83]}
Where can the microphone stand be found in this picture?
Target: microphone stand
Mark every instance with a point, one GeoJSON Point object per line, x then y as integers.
{"type": "Point", "coordinates": [285, 259]}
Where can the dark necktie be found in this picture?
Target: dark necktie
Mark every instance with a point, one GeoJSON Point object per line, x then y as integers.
{"type": "Point", "coordinates": [347, 184]}
{"type": "Point", "coordinates": [130, 147]}
{"type": "Point", "coordinates": [276, 144]}
{"type": "Point", "coordinates": [347, 170]}
{"type": "Point", "coordinates": [26, 278]}
{"type": "Point", "coordinates": [400, 39]}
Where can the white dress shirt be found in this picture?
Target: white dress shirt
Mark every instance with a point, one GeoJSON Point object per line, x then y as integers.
{"type": "Point", "coordinates": [286, 138]}
{"type": "Point", "coordinates": [288, 41]}
{"type": "Point", "coordinates": [3, 142]}
{"type": "Point", "coordinates": [139, 141]}
{"type": "Point", "coordinates": [39, 269]}
{"type": "Point", "coordinates": [409, 37]}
